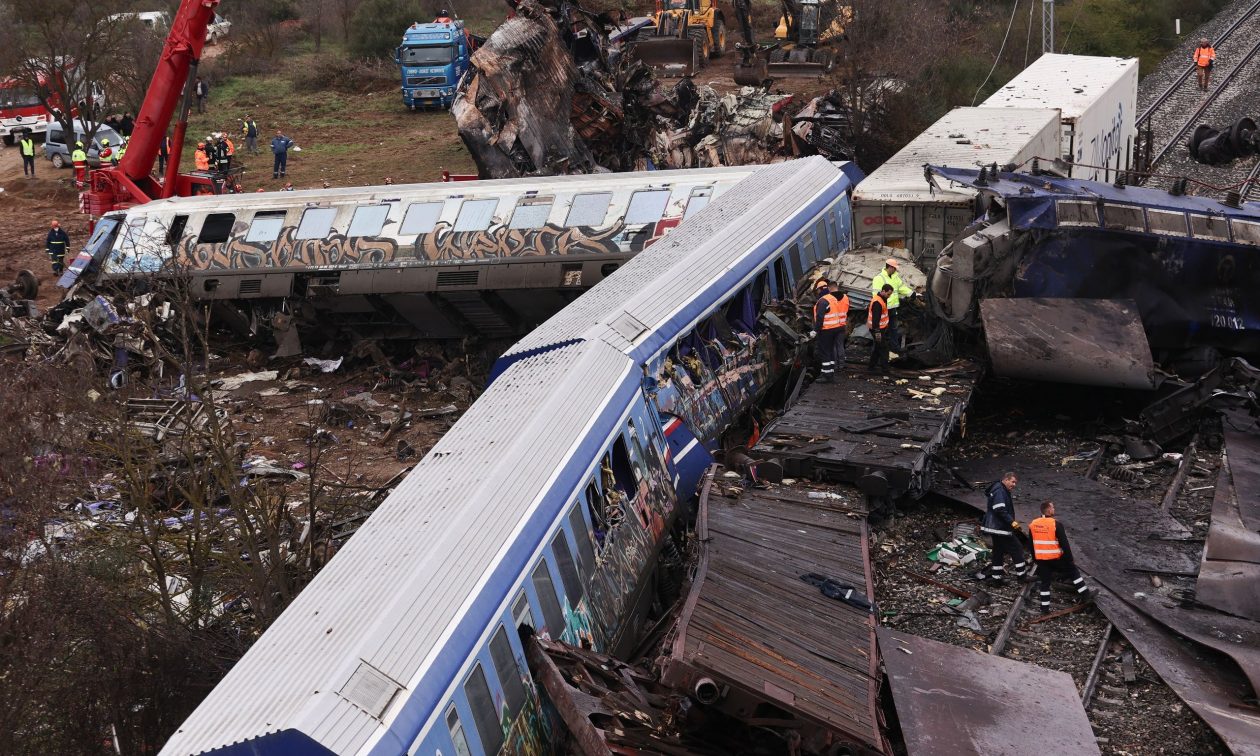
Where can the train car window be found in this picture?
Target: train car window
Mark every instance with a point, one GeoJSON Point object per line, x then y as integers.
{"type": "Point", "coordinates": [595, 505]}
{"type": "Point", "coordinates": [695, 204]}
{"type": "Point", "coordinates": [646, 206]}
{"type": "Point", "coordinates": [1075, 213]}
{"type": "Point", "coordinates": [368, 220]}
{"type": "Point", "coordinates": [216, 228]}
{"type": "Point", "coordinates": [509, 672]}
{"type": "Point", "coordinates": [176, 232]}
{"type": "Point", "coordinates": [831, 229]}
{"type": "Point", "coordinates": [522, 615]}
{"type": "Point", "coordinates": [794, 266]}
{"type": "Point", "coordinates": [585, 544]}
{"type": "Point", "coordinates": [588, 209]}
{"type": "Point", "coordinates": [530, 214]}
{"type": "Point", "coordinates": [1167, 222]}
{"type": "Point", "coordinates": [456, 729]}
{"type": "Point", "coordinates": [741, 315]}
{"type": "Point", "coordinates": [784, 287]}
{"type": "Point", "coordinates": [421, 218]}
{"type": "Point", "coordinates": [1126, 217]}
{"type": "Point", "coordinates": [820, 234]}
{"type": "Point", "coordinates": [568, 570]}
{"type": "Point", "coordinates": [810, 250]}
{"type": "Point", "coordinates": [622, 476]}
{"type": "Point", "coordinates": [476, 215]}
{"type": "Point", "coordinates": [266, 226]}
{"type": "Point", "coordinates": [316, 223]}
{"type": "Point", "coordinates": [1213, 227]}
{"type": "Point", "coordinates": [485, 714]}
{"type": "Point", "coordinates": [553, 618]}
{"type": "Point", "coordinates": [1246, 232]}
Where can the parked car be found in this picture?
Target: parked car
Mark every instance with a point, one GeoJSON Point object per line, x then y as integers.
{"type": "Point", "coordinates": [56, 149]}
{"type": "Point", "coordinates": [218, 30]}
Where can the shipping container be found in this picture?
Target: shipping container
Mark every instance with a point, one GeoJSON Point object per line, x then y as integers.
{"type": "Point", "coordinates": [896, 207]}
{"type": "Point", "coordinates": [1097, 102]}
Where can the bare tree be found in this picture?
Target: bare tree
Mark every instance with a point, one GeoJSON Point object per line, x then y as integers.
{"type": "Point", "coordinates": [344, 10]}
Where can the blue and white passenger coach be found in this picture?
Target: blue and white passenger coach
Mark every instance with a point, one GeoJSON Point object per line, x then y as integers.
{"type": "Point", "coordinates": [544, 506]}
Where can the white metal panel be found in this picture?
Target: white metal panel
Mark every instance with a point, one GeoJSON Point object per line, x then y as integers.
{"type": "Point", "coordinates": [401, 584]}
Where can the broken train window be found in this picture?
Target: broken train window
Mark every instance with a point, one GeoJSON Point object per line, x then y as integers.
{"type": "Point", "coordinates": [1213, 227]}
{"type": "Point", "coordinates": [316, 223]}
{"type": "Point", "coordinates": [588, 209]}
{"type": "Point", "coordinates": [646, 206]}
{"type": "Point", "coordinates": [1077, 213]}
{"type": "Point", "coordinates": [421, 218]}
{"type": "Point", "coordinates": [595, 505]}
{"type": "Point", "coordinates": [216, 228]}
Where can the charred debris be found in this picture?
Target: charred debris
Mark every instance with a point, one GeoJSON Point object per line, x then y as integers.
{"type": "Point", "coordinates": [556, 90]}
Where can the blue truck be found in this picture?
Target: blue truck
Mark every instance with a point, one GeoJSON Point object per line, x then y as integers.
{"type": "Point", "coordinates": [431, 59]}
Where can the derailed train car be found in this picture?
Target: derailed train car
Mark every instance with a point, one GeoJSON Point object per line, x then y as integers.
{"type": "Point", "coordinates": [544, 508]}
{"type": "Point", "coordinates": [429, 260]}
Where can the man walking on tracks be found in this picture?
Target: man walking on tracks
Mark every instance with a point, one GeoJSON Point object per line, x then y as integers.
{"type": "Point", "coordinates": [831, 320]}
{"type": "Point", "coordinates": [1053, 557]}
{"type": "Point", "coordinates": [1000, 525]}
{"type": "Point", "coordinates": [1204, 60]}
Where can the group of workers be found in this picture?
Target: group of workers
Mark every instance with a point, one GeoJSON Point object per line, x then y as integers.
{"type": "Point", "coordinates": [215, 153]}
{"type": "Point", "coordinates": [1051, 552]}
{"type": "Point", "coordinates": [831, 320]}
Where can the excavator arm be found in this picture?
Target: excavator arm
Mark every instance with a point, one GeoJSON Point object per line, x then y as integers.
{"type": "Point", "coordinates": [131, 182]}
{"type": "Point", "coordinates": [751, 70]}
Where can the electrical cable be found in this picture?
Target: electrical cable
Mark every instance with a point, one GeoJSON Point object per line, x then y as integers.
{"type": "Point", "coordinates": [1001, 49]}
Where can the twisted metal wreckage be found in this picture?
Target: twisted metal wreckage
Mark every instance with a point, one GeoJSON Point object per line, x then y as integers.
{"type": "Point", "coordinates": [553, 92]}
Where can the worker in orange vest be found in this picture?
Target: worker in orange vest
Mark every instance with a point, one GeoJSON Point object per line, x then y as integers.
{"type": "Point", "coordinates": [1052, 556]}
{"type": "Point", "coordinates": [201, 159]}
{"type": "Point", "coordinates": [877, 321]}
{"type": "Point", "coordinates": [1204, 59]}
{"type": "Point", "coordinates": [831, 320]}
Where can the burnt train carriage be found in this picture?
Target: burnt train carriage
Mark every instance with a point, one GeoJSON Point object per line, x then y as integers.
{"type": "Point", "coordinates": [441, 260]}
{"type": "Point", "coordinates": [544, 506]}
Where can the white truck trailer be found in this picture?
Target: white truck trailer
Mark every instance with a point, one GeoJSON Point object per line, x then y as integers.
{"type": "Point", "coordinates": [1097, 102]}
{"type": "Point", "coordinates": [894, 206]}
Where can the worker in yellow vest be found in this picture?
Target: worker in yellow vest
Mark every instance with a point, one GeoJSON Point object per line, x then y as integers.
{"type": "Point", "coordinates": [831, 320]}
{"type": "Point", "coordinates": [878, 321]}
{"type": "Point", "coordinates": [1053, 557]}
{"type": "Point", "coordinates": [890, 276]}
{"type": "Point", "coordinates": [79, 159]}
{"type": "Point", "coordinates": [27, 143]}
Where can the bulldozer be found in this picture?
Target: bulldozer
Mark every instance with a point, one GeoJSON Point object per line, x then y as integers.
{"type": "Point", "coordinates": [686, 34]}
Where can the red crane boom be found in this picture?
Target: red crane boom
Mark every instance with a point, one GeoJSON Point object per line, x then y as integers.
{"type": "Point", "coordinates": [131, 182]}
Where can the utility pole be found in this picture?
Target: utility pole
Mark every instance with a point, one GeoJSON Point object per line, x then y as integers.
{"type": "Point", "coordinates": [1047, 26]}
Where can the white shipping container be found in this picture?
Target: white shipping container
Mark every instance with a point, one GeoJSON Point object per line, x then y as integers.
{"type": "Point", "coordinates": [896, 207]}
{"type": "Point", "coordinates": [1097, 101]}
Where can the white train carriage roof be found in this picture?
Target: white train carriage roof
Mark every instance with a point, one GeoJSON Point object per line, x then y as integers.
{"type": "Point", "coordinates": [440, 190]}
{"type": "Point", "coordinates": [1070, 83]}
{"type": "Point", "coordinates": [396, 613]}
{"type": "Point", "coordinates": [661, 292]}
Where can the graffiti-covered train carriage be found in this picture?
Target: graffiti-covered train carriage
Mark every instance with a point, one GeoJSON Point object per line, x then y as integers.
{"type": "Point", "coordinates": [440, 260]}
{"type": "Point", "coordinates": [545, 507]}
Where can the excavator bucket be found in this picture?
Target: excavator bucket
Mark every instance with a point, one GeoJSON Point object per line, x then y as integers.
{"type": "Point", "coordinates": [752, 72]}
{"type": "Point", "coordinates": [1088, 342]}
{"type": "Point", "coordinates": [669, 56]}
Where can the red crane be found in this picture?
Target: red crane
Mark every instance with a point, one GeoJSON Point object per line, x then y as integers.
{"type": "Point", "coordinates": [131, 182]}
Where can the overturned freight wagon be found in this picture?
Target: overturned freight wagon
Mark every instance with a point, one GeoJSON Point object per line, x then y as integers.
{"type": "Point", "coordinates": [424, 260]}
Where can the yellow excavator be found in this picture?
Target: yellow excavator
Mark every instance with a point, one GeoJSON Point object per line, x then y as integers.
{"type": "Point", "coordinates": [806, 28]}
{"type": "Point", "coordinates": [686, 34]}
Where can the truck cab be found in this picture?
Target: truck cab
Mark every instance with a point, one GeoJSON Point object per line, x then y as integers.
{"type": "Point", "coordinates": [431, 59]}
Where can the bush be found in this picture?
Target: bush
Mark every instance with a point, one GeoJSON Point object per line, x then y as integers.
{"type": "Point", "coordinates": [351, 76]}
{"type": "Point", "coordinates": [378, 26]}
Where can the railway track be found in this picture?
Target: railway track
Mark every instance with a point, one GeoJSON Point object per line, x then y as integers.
{"type": "Point", "coordinates": [1172, 116]}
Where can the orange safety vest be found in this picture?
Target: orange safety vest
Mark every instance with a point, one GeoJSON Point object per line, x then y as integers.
{"type": "Point", "coordinates": [201, 159]}
{"type": "Point", "coordinates": [231, 148]}
{"type": "Point", "coordinates": [1045, 544]}
{"type": "Point", "coordinates": [837, 312]}
{"type": "Point", "coordinates": [1204, 56]}
{"type": "Point", "coordinates": [883, 316]}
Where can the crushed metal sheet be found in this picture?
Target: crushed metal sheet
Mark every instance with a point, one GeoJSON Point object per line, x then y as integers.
{"type": "Point", "coordinates": [1094, 342]}
{"type": "Point", "coordinates": [1229, 576]}
{"type": "Point", "coordinates": [955, 700]}
{"type": "Point", "coordinates": [764, 635]}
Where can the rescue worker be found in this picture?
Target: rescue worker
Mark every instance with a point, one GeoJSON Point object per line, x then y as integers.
{"type": "Point", "coordinates": [249, 130]}
{"type": "Point", "coordinates": [877, 321]}
{"type": "Point", "coordinates": [280, 145]}
{"type": "Point", "coordinates": [831, 318]}
{"type": "Point", "coordinates": [1000, 526]}
{"type": "Point", "coordinates": [122, 150]}
{"type": "Point", "coordinates": [79, 159]}
{"type": "Point", "coordinates": [890, 276]}
{"type": "Point", "coordinates": [219, 159]}
{"type": "Point", "coordinates": [443, 17]}
{"type": "Point", "coordinates": [107, 153]}
{"type": "Point", "coordinates": [28, 154]}
{"type": "Point", "coordinates": [164, 154]}
{"type": "Point", "coordinates": [56, 244]}
{"type": "Point", "coordinates": [1204, 59]}
{"type": "Point", "coordinates": [1053, 557]}
{"type": "Point", "coordinates": [201, 157]}
{"type": "Point", "coordinates": [231, 149]}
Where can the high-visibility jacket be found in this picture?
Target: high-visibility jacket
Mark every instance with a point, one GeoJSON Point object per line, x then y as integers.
{"type": "Point", "coordinates": [837, 314]}
{"type": "Point", "coordinates": [1045, 542]}
{"type": "Point", "coordinates": [899, 287]}
{"type": "Point", "coordinates": [28, 146]}
{"type": "Point", "coordinates": [78, 156]}
{"type": "Point", "coordinates": [201, 159]}
{"type": "Point", "coordinates": [122, 150]}
{"type": "Point", "coordinates": [883, 314]}
{"type": "Point", "coordinates": [231, 148]}
{"type": "Point", "coordinates": [1203, 56]}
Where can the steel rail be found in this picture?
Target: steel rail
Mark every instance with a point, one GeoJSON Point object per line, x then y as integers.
{"type": "Point", "coordinates": [1249, 184]}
